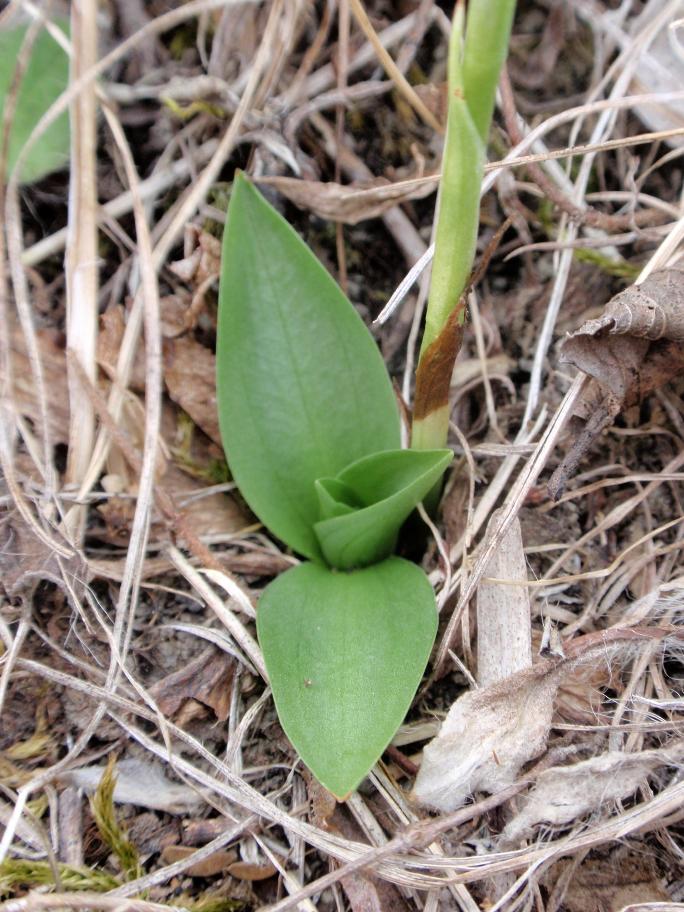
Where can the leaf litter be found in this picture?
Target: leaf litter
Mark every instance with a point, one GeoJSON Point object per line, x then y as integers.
{"type": "Point", "coordinates": [536, 774]}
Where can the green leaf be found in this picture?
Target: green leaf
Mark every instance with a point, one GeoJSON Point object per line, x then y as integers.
{"type": "Point", "coordinates": [345, 653]}
{"type": "Point", "coordinates": [46, 77]}
{"type": "Point", "coordinates": [302, 390]}
{"type": "Point", "coordinates": [388, 486]}
{"type": "Point", "coordinates": [335, 498]}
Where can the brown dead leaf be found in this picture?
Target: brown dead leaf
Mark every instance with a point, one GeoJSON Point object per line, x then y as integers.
{"type": "Point", "coordinates": [150, 834]}
{"type": "Point", "coordinates": [173, 312]}
{"type": "Point", "coordinates": [207, 679]}
{"type": "Point", "coordinates": [246, 870]}
{"type": "Point", "coordinates": [190, 375]}
{"type": "Point", "coordinates": [24, 398]}
{"type": "Point", "coordinates": [635, 347]}
{"type": "Point", "coordinates": [214, 514]}
{"type": "Point", "coordinates": [110, 337]}
{"type": "Point", "coordinates": [25, 562]}
{"type": "Point", "coordinates": [580, 696]}
{"type": "Point", "coordinates": [354, 203]}
{"type": "Point", "coordinates": [218, 863]}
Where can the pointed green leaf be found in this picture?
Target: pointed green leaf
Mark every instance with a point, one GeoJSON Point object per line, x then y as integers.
{"type": "Point", "coordinates": [45, 78]}
{"type": "Point", "coordinates": [335, 498]}
{"type": "Point", "coordinates": [345, 653]}
{"type": "Point", "coordinates": [302, 390]}
{"type": "Point", "coordinates": [389, 485]}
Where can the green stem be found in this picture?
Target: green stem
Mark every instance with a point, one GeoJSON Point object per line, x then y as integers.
{"type": "Point", "coordinates": [477, 49]}
{"type": "Point", "coordinates": [486, 48]}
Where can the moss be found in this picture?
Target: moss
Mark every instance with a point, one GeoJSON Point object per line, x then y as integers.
{"type": "Point", "coordinates": [18, 873]}
{"type": "Point", "coordinates": [111, 831]}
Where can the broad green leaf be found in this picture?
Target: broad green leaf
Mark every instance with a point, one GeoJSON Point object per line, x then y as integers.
{"type": "Point", "coordinates": [302, 390]}
{"type": "Point", "coordinates": [388, 485]}
{"type": "Point", "coordinates": [345, 653]}
{"type": "Point", "coordinates": [46, 77]}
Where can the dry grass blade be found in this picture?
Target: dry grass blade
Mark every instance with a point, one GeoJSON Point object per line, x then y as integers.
{"type": "Point", "coordinates": [36, 902]}
{"type": "Point", "coordinates": [81, 262]}
{"type": "Point", "coordinates": [392, 70]}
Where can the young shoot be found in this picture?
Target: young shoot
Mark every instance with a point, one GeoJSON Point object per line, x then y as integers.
{"type": "Point", "coordinates": [477, 50]}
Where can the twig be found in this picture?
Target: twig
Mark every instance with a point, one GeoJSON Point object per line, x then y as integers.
{"type": "Point", "coordinates": [581, 214]}
{"type": "Point", "coordinates": [81, 263]}
{"type": "Point", "coordinates": [392, 69]}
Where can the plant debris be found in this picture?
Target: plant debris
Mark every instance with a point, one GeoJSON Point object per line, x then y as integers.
{"type": "Point", "coordinates": [634, 348]}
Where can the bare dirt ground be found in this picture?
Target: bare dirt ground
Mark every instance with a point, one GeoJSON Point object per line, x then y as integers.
{"type": "Point", "coordinates": [142, 766]}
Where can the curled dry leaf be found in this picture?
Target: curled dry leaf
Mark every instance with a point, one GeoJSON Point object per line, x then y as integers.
{"type": "Point", "coordinates": [490, 733]}
{"type": "Point", "coordinates": [636, 346]}
{"type": "Point", "coordinates": [487, 737]}
{"type": "Point", "coordinates": [563, 794]}
{"type": "Point", "coordinates": [350, 204]}
{"type": "Point", "coordinates": [139, 783]}
{"type": "Point", "coordinates": [653, 310]}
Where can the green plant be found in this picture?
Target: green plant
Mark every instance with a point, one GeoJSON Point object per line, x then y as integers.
{"type": "Point", "coordinates": [311, 432]}
{"type": "Point", "coordinates": [45, 78]}
{"type": "Point", "coordinates": [477, 50]}
{"type": "Point", "coordinates": [112, 832]}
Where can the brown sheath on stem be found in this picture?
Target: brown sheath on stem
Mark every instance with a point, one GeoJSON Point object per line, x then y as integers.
{"type": "Point", "coordinates": [435, 367]}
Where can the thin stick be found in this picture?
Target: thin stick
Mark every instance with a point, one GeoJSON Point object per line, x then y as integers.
{"type": "Point", "coordinates": [81, 263]}
{"type": "Point", "coordinates": [392, 69]}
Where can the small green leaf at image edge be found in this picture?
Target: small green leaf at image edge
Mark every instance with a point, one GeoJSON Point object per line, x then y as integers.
{"type": "Point", "coordinates": [45, 79]}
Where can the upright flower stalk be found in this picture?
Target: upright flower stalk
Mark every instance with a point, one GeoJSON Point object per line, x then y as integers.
{"type": "Point", "coordinates": [477, 50]}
